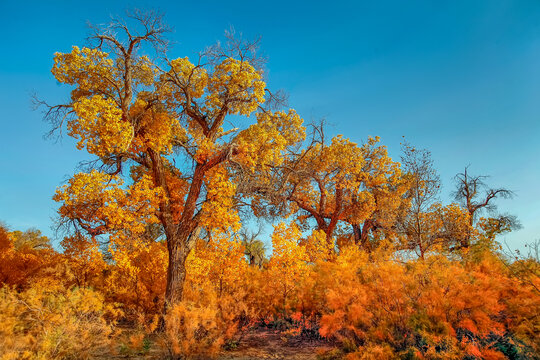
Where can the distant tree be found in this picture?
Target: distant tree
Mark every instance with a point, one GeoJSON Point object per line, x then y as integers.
{"type": "Point", "coordinates": [427, 223]}
{"type": "Point", "coordinates": [24, 256]}
{"type": "Point", "coordinates": [31, 238]}
{"type": "Point", "coordinates": [477, 197]}
{"type": "Point", "coordinates": [423, 194]}
{"type": "Point", "coordinates": [254, 248]}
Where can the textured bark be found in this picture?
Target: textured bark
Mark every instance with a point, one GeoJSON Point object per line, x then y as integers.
{"type": "Point", "coordinates": [176, 271]}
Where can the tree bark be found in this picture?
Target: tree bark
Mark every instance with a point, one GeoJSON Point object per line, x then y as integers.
{"type": "Point", "coordinates": [176, 270]}
{"type": "Point", "coordinates": [361, 234]}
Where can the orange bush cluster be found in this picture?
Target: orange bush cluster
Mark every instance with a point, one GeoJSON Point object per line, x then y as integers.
{"type": "Point", "coordinates": [381, 304]}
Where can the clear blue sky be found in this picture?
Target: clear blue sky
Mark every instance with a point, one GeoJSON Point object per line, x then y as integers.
{"type": "Point", "coordinates": [461, 78]}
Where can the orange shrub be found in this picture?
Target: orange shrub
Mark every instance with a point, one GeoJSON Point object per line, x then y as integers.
{"type": "Point", "coordinates": [191, 330]}
{"type": "Point", "coordinates": [22, 263]}
{"type": "Point", "coordinates": [54, 323]}
{"type": "Point", "coordinates": [433, 309]}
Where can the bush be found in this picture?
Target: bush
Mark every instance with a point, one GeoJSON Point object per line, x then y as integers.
{"type": "Point", "coordinates": [54, 323]}
{"type": "Point", "coordinates": [190, 330]}
{"type": "Point", "coordinates": [378, 307]}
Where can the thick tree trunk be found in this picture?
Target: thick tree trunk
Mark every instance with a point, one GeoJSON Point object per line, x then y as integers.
{"type": "Point", "coordinates": [181, 236]}
{"type": "Point", "coordinates": [176, 270]}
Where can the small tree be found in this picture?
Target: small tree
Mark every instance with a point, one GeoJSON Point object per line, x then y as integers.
{"type": "Point", "coordinates": [473, 193]}
{"type": "Point", "coordinates": [254, 248]}
{"type": "Point", "coordinates": [476, 197]}
{"type": "Point", "coordinates": [427, 223]}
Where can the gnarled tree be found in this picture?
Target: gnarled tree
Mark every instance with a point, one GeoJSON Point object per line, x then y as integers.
{"type": "Point", "coordinates": [476, 197]}
{"type": "Point", "coordinates": [341, 185]}
{"type": "Point", "coordinates": [167, 136]}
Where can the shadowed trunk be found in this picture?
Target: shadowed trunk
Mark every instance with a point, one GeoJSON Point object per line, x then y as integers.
{"type": "Point", "coordinates": [176, 271]}
{"type": "Point", "coordinates": [361, 234]}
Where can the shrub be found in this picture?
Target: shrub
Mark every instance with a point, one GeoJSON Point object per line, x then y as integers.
{"type": "Point", "coordinates": [190, 330]}
{"type": "Point", "coordinates": [54, 323]}
{"type": "Point", "coordinates": [379, 307]}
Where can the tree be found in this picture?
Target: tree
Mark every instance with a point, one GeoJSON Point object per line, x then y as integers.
{"type": "Point", "coordinates": [254, 248]}
{"type": "Point", "coordinates": [383, 187]}
{"type": "Point", "coordinates": [84, 259]}
{"type": "Point", "coordinates": [427, 223]}
{"type": "Point", "coordinates": [287, 265]}
{"type": "Point", "coordinates": [469, 191]}
{"type": "Point", "coordinates": [475, 196]}
{"type": "Point", "coordinates": [31, 238]}
{"type": "Point", "coordinates": [166, 134]}
{"type": "Point", "coordinates": [25, 256]}
{"type": "Point", "coordinates": [335, 186]}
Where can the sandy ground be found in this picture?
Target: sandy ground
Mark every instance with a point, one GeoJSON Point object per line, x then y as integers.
{"type": "Point", "coordinates": [255, 345]}
{"type": "Point", "coordinates": [271, 345]}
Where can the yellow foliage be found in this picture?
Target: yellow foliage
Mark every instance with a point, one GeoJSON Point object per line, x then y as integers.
{"type": "Point", "coordinates": [191, 80]}
{"type": "Point", "coordinates": [218, 276]}
{"type": "Point", "coordinates": [138, 278]}
{"type": "Point", "coordinates": [217, 212]}
{"type": "Point", "coordinates": [20, 264]}
{"type": "Point", "coordinates": [84, 259]}
{"type": "Point", "coordinates": [54, 323]}
{"type": "Point", "coordinates": [287, 266]}
{"type": "Point", "coordinates": [99, 126]}
{"type": "Point", "coordinates": [88, 69]}
{"type": "Point", "coordinates": [237, 85]}
{"type": "Point", "coordinates": [319, 247]}
{"type": "Point", "coordinates": [263, 143]}
{"type": "Point", "coordinates": [101, 205]}
{"type": "Point", "coordinates": [156, 129]}
{"type": "Point", "coordinates": [191, 330]}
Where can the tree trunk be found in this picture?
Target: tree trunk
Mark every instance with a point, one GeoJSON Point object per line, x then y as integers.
{"type": "Point", "coordinates": [357, 231]}
{"type": "Point", "coordinates": [364, 236]}
{"type": "Point", "coordinates": [179, 239]}
{"type": "Point", "coordinates": [361, 234]}
{"type": "Point", "coordinates": [176, 270]}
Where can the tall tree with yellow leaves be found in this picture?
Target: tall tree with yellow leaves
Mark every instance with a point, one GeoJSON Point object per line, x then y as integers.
{"type": "Point", "coordinates": [166, 134]}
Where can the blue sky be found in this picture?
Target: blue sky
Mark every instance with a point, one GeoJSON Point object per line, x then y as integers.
{"type": "Point", "coordinates": [461, 78]}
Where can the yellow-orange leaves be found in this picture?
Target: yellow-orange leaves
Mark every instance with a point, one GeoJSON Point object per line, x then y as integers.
{"type": "Point", "coordinates": [287, 265]}
{"type": "Point", "coordinates": [97, 201]}
{"type": "Point", "coordinates": [264, 142]}
{"type": "Point", "coordinates": [319, 247]}
{"type": "Point", "coordinates": [156, 129]}
{"type": "Point", "coordinates": [88, 69]}
{"type": "Point", "coordinates": [99, 126]}
{"type": "Point", "coordinates": [217, 211]}
{"type": "Point", "coordinates": [191, 79]}
{"type": "Point", "coordinates": [237, 85]}
{"type": "Point", "coordinates": [84, 259]}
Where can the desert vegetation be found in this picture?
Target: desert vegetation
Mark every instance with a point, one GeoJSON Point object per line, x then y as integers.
{"type": "Point", "coordinates": [161, 256]}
